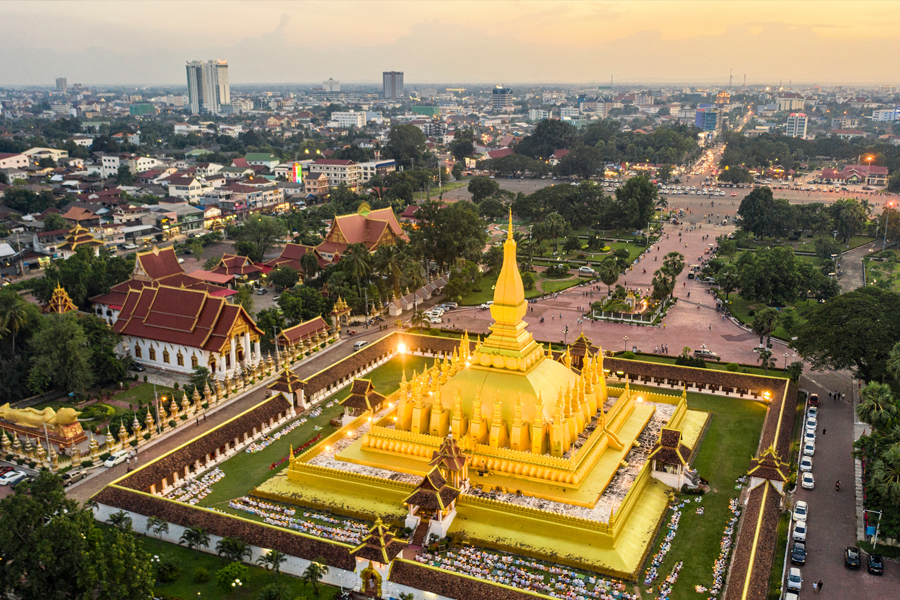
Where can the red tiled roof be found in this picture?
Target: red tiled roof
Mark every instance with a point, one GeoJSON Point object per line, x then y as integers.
{"type": "Point", "coordinates": [334, 161]}
{"type": "Point", "coordinates": [211, 277]}
{"type": "Point", "coordinates": [232, 264]}
{"type": "Point", "coordinates": [304, 330]}
{"type": "Point", "coordinates": [159, 263]}
{"type": "Point", "coordinates": [191, 318]}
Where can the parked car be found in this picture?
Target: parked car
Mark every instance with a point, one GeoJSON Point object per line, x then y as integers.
{"type": "Point", "coordinates": [12, 477]}
{"type": "Point", "coordinates": [809, 437]}
{"type": "Point", "coordinates": [71, 477]}
{"type": "Point", "coordinates": [794, 580]}
{"type": "Point", "coordinates": [811, 424]}
{"type": "Point", "coordinates": [706, 353]}
{"type": "Point", "coordinates": [586, 270]}
{"type": "Point", "coordinates": [799, 531]}
{"type": "Point", "coordinates": [806, 464]}
{"type": "Point", "coordinates": [813, 399]}
{"type": "Point", "coordinates": [450, 305]}
{"type": "Point", "coordinates": [798, 553]}
{"type": "Point", "coordinates": [21, 480]}
{"type": "Point", "coordinates": [137, 367]}
{"type": "Point", "coordinates": [360, 344]}
{"type": "Point", "coordinates": [875, 564]}
{"type": "Point", "coordinates": [852, 559]}
{"type": "Point", "coordinates": [809, 449]}
{"type": "Point", "coordinates": [435, 320]}
{"type": "Point", "coordinates": [117, 458]}
{"type": "Point", "coordinates": [486, 305]}
{"type": "Point", "coordinates": [807, 481]}
{"type": "Point", "coordinates": [261, 291]}
{"type": "Point", "coordinates": [812, 412]}
{"type": "Point", "coordinates": [801, 510]}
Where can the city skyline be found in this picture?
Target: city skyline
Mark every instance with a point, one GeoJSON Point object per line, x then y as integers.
{"type": "Point", "coordinates": [584, 42]}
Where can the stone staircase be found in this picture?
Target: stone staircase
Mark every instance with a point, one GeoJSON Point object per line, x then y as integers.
{"type": "Point", "coordinates": [418, 537]}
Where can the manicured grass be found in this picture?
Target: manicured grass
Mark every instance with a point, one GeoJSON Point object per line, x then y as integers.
{"type": "Point", "coordinates": [878, 272]}
{"type": "Point", "coordinates": [245, 471]}
{"type": "Point", "coordinates": [144, 394]}
{"type": "Point", "coordinates": [710, 364]}
{"type": "Point", "coordinates": [486, 291]}
{"type": "Point", "coordinates": [189, 561]}
{"type": "Point", "coordinates": [555, 285]}
{"type": "Point", "coordinates": [741, 308]}
{"type": "Point", "coordinates": [435, 191]}
{"type": "Point", "coordinates": [807, 244]}
{"type": "Point", "coordinates": [784, 522]}
{"type": "Point", "coordinates": [724, 455]}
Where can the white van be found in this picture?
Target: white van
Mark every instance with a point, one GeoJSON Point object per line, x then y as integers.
{"type": "Point", "coordinates": [360, 344]}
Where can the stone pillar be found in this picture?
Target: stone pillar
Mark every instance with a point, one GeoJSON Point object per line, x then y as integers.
{"type": "Point", "coordinates": [257, 351]}
{"type": "Point", "coordinates": [233, 354]}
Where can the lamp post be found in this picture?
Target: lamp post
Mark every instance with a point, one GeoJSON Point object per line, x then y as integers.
{"type": "Point", "coordinates": [785, 360]}
{"type": "Point", "coordinates": [566, 336]}
{"type": "Point", "coordinates": [625, 341]}
{"type": "Point", "coordinates": [887, 217]}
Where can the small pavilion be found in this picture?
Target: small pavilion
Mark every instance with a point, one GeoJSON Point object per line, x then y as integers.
{"type": "Point", "coordinates": [60, 302]}
{"type": "Point", "coordinates": [362, 398]}
{"type": "Point", "coordinates": [340, 313]}
{"type": "Point", "coordinates": [290, 385]}
{"type": "Point", "coordinates": [379, 548]}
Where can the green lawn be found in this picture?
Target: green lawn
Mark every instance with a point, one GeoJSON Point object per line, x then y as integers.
{"type": "Point", "coordinates": [741, 308]}
{"type": "Point", "coordinates": [190, 560]}
{"type": "Point", "coordinates": [784, 522]}
{"type": "Point", "coordinates": [435, 192]}
{"type": "Point", "coordinates": [884, 273]}
{"type": "Point", "coordinates": [710, 364]}
{"type": "Point", "coordinates": [724, 455]}
{"type": "Point", "coordinates": [245, 471]}
{"type": "Point", "coordinates": [555, 285]}
{"type": "Point", "coordinates": [806, 244]}
{"type": "Point", "coordinates": [486, 291]}
{"type": "Point", "coordinates": [144, 394]}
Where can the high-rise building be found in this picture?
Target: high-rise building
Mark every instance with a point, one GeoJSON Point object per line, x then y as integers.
{"type": "Point", "coordinates": [502, 98]}
{"type": "Point", "coordinates": [208, 88]}
{"type": "Point", "coordinates": [61, 84]}
{"type": "Point", "coordinates": [707, 118]}
{"type": "Point", "coordinates": [331, 85]}
{"type": "Point", "coordinates": [796, 125]}
{"type": "Point", "coordinates": [393, 84]}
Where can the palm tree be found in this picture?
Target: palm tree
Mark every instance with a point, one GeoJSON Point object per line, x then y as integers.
{"type": "Point", "coordinates": [893, 362]}
{"type": "Point", "coordinates": [274, 591]}
{"type": "Point", "coordinates": [877, 406]}
{"type": "Point", "coordinates": [662, 203]}
{"type": "Point", "coordinates": [557, 227]}
{"type": "Point", "coordinates": [120, 520]}
{"type": "Point", "coordinates": [608, 271]}
{"type": "Point", "coordinates": [766, 360]}
{"type": "Point", "coordinates": [272, 560]}
{"type": "Point", "coordinates": [314, 573]}
{"type": "Point", "coordinates": [309, 263]}
{"type": "Point", "coordinates": [357, 262]}
{"type": "Point", "coordinates": [886, 475]}
{"type": "Point", "coordinates": [194, 537]}
{"type": "Point", "coordinates": [387, 261]}
{"type": "Point", "coordinates": [156, 524]}
{"type": "Point", "coordinates": [418, 319]}
{"type": "Point", "coordinates": [13, 315]}
{"type": "Point", "coordinates": [233, 549]}
{"type": "Point", "coordinates": [764, 323]}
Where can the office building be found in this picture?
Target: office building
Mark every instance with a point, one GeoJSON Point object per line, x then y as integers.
{"type": "Point", "coordinates": [208, 88]}
{"type": "Point", "coordinates": [886, 114]}
{"type": "Point", "coordinates": [796, 125]}
{"type": "Point", "coordinates": [502, 98]}
{"type": "Point", "coordinates": [350, 118]}
{"type": "Point", "coordinates": [393, 84]}
{"type": "Point", "coordinates": [536, 114]}
{"type": "Point", "coordinates": [61, 84]}
{"type": "Point", "coordinates": [707, 119]}
{"type": "Point", "coordinates": [331, 85]}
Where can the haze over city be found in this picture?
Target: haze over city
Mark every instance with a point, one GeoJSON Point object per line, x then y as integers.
{"type": "Point", "coordinates": [146, 43]}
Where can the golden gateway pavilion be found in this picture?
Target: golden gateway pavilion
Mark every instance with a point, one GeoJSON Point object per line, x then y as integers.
{"type": "Point", "coordinates": [511, 444]}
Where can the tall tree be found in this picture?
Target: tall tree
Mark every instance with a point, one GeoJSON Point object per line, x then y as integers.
{"type": "Point", "coordinates": [557, 227]}
{"type": "Point", "coordinates": [764, 323]}
{"type": "Point", "coordinates": [387, 261]}
{"type": "Point", "coordinates": [61, 356]}
{"type": "Point", "coordinates": [406, 145]}
{"type": "Point", "coordinates": [357, 263]}
{"type": "Point", "coordinates": [877, 406]}
{"type": "Point", "coordinates": [262, 232]}
{"type": "Point", "coordinates": [482, 187]}
{"type": "Point", "coordinates": [637, 199]}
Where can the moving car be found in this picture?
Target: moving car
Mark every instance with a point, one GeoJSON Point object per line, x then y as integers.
{"type": "Point", "coordinates": [261, 291]}
{"type": "Point", "coordinates": [486, 305]}
{"type": "Point", "coordinates": [117, 458]}
{"type": "Point", "coordinates": [435, 320]}
{"type": "Point", "coordinates": [798, 553]}
{"type": "Point", "coordinates": [450, 305]}
{"type": "Point", "coordinates": [806, 464]}
{"type": "Point", "coordinates": [852, 558]}
{"type": "Point", "coordinates": [587, 270]}
{"type": "Point", "coordinates": [360, 344]}
{"type": "Point", "coordinates": [801, 510]}
{"type": "Point", "coordinates": [799, 531]}
{"type": "Point", "coordinates": [794, 580]}
{"type": "Point", "coordinates": [807, 481]}
{"type": "Point", "coordinates": [71, 477]}
{"type": "Point", "coordinates": [875, 564]}
{"type": "Point", "coordinates": [704, 352]}
{"type": "Point", "coordinates": [12, 477]}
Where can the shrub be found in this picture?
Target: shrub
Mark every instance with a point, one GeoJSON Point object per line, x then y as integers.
{"type": "Point", "coordinates": [172, 423]}
{"type": "Point", "coordinates": [201, 575]}
{"type": "Point", "coordinates": [133, 443]}
{"type": "Point", "coordinates": [629, 355]}
{"type": "Point", "coordinates": [32, 464]}
{"type": "Point", "coordinates": [104, 456]}
{"type": "Point", "coordinates": [175, 387]}
{"type": "Point", "coordinates": [146, 436]}
{"type": "Point", "coordinates": [167, 571]}
{"type": "Point", "coordinates": [145, 379]}
{"type": "Point", "coordinates": [183, 417]}
{"type": "Point", "coordinates": [87, 463]}
{"type": "Point", "coordinates": [733, 367]}
{"type": "Point", "coordinates": [205, 405]}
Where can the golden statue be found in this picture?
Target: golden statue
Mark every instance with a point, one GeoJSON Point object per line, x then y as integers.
{"type": "Point", "coordinates": [39, 418]}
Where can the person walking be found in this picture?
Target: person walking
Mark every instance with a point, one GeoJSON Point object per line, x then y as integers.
{"type": "Point", "coordinates": [820, 585]}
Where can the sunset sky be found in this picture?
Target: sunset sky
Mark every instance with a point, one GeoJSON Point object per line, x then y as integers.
{"type": "Point", "coordinates": [508, 42]}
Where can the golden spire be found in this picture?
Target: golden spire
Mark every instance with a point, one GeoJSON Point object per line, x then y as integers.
{"type": "Point", "coordinates": [509, 234]}
{"type": "Point", "coordinates": [476, 407]}
{"type": "Point", "coordinates": [457, 402]}
{"type": "Point", "coordinates": [539, 411]}
{"type": "Point", "coordinates": [498, 408]}
{"type": "Point", "coordinates": [517, 417]}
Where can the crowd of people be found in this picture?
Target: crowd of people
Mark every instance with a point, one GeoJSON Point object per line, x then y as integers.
{"type": "Point", "coordinates": [665, 590]}
{"type": "Point", "coordinates": [720, 566]}
{"type": "Point", "coordinates": [527, 574]}
{"type": "Point", "coordinates": [263, 443]}
{"type": "Point", "coordinates": [653, 570]}
{"type": "Point", "coordinates": [311, 522]}
{"type": "Point", "coordinates": [191, 490]}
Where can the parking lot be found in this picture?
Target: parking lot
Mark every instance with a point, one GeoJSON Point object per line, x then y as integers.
{"type": "Point", "coordinates": [832, 514]}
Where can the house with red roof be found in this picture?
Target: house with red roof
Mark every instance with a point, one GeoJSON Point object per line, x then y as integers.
{"type": "Point", "coordinates": [870, 174]}
{"type": "Point", "coordinates": [239, 267]}
{"type": "Point", "coordinates": [557, 156]}
{"type": "Point", "coordinates": [371, 228]}
{"type": "Point", "coordinates": [178, 329]}
{"type": "Point", "coordinates": [152, 269]}
{"type": "Point", "coordinates": [290, 257]}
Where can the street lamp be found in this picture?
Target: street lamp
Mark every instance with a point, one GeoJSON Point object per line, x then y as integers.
{"type": "Point", "coordinates": [625, 340]}
{"type": "Point", "coordinates": [887, 217]}
{"type": "Point", "coordinates": [877, 526]}
{"type": "Point", "coordinates": [785, 360]}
